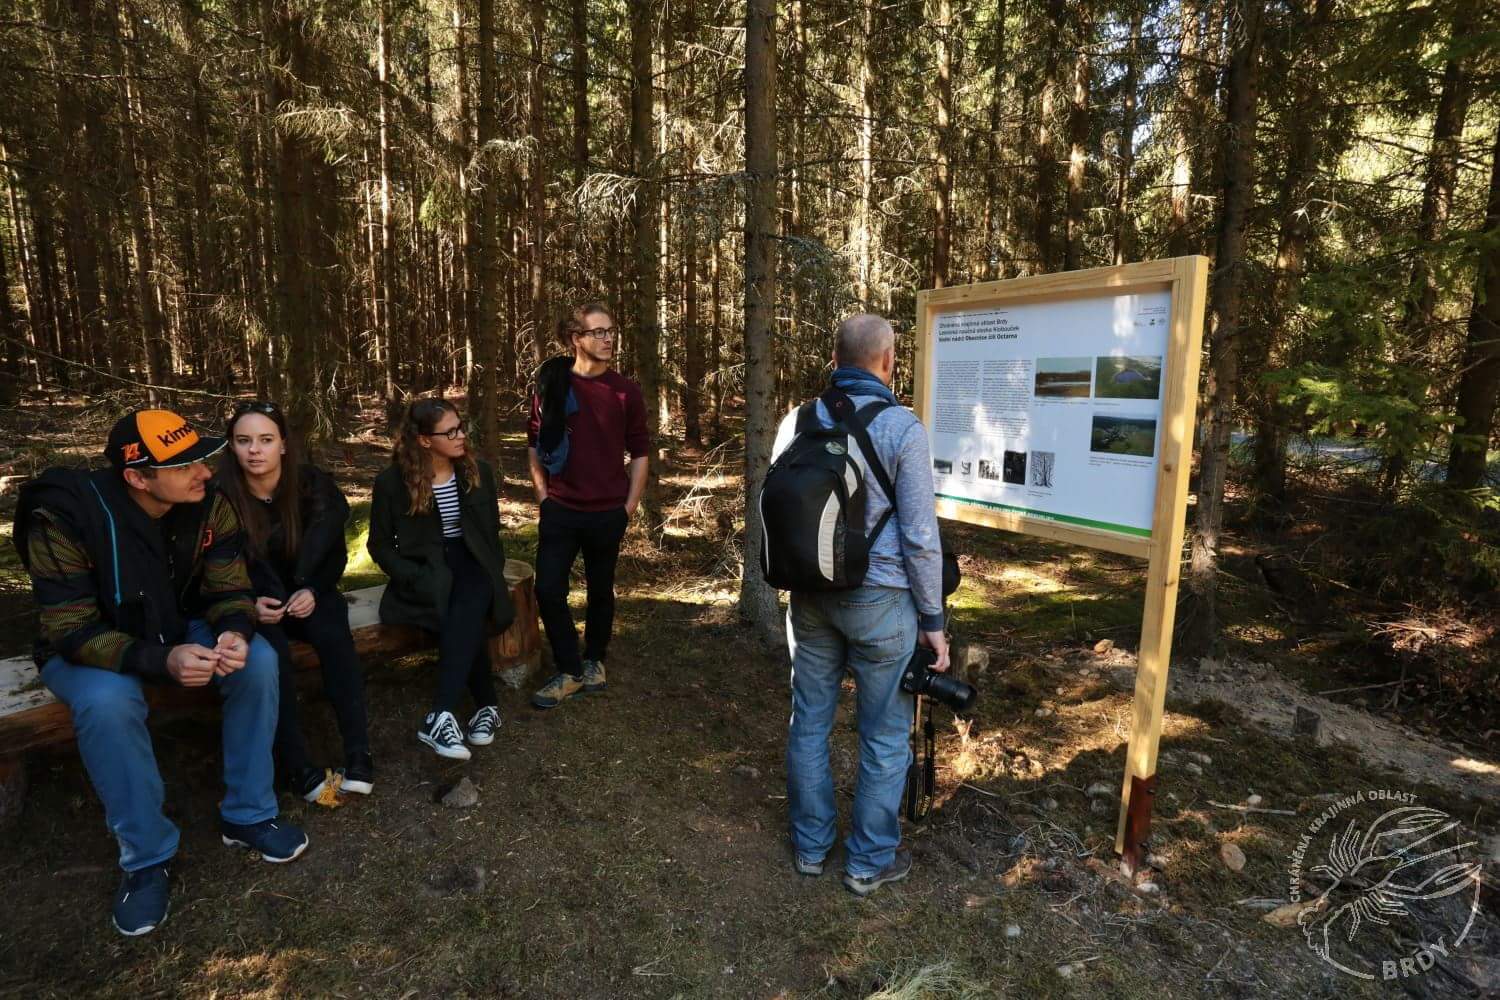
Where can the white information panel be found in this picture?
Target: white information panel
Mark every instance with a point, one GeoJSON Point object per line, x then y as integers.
{"type": "Point", "coordinates": [1052, 409]}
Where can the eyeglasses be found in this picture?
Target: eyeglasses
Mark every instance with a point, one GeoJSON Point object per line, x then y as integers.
{"type": "Point", "coordinates": [603, 333]}
{"type": "Point", "coordinates": [453, 433]}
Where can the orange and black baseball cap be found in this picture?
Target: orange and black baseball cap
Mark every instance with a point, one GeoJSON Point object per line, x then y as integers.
{"type": "Point", "coordinates": [158, 439]}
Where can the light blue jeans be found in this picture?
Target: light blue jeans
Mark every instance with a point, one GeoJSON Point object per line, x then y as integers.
{"type": "Point", "coordinates": [872, 631]}
{"type": "Point", "coordinates": [109, 716]}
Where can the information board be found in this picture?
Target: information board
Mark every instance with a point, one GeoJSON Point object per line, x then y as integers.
{"type": "Point", "coordinates": [1052, 410]}
{"type": "Point", "coordinates": [1062, 405]}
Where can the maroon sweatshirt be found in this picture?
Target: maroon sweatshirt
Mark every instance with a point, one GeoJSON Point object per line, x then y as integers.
{"type": "Point", "coordinates": [611, 421]}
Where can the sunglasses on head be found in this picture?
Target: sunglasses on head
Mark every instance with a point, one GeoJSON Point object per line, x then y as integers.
{"type": "Point", "coordinates": [256, 406]}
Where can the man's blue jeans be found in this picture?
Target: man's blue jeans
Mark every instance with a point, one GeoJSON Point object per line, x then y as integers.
{"type": "Point", "coordinates": [109, 716]}
{"type": "Point", "coordinates": [872, 631]}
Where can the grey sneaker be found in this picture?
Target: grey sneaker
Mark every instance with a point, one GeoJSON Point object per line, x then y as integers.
{"type": "Point", "coordinates": [805, 867]}
{"type": "Point", "coordinates": [593, 676]}
{"type": "Point", "coordinates": [898, 869]}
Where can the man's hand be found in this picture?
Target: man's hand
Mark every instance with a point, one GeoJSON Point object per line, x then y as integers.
{"type": "Point", "coordinates": [938, 643]}
{"type": "Point", "coordinates": [631, 506]}
{"type": "Point", "coordinates": [232, 652]}
{"type": "Point", "coordinates": [192, 665]}
{"type": "Point", "coordinates": [301, 604]}
{"type": "Point", "coordinates": [268, 610]}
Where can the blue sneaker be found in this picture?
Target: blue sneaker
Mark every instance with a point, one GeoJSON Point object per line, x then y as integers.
{"type": "Point", "coordinates": [141, 902]}
{"type": "Point", "coordinates": [275, 841]}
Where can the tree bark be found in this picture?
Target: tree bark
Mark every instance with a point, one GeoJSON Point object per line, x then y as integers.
{"type": "Point", "coordinates": [1124, 224]}
{"type": "Point", "coordinates": [1078, 137]}
{"type": "Point", "coordinates": [994, 236]}
{"type": "Point", "coordinates": [536, 177]}
{"type": "Point", "coordinates": [1479, 380]}
{"type": "Point", "coordinates": [1044, 156]}
{"type": "Point", "coordinates": [943, 177]}
{"type": "Point", "coordinates": [864, 219]}
{"type": "Point", "coordinates": [484, 407]}
{"type": "Point", "coordinates": [645, 223]}
{"type": "Point", "coordinates": [386, 256]}
{"type": "Point", "coordinates": [1181, 236]}
{"type": "Point", "coordinates": [758, 603]}
{"type": "Point", "coordinates": [1242, 92]}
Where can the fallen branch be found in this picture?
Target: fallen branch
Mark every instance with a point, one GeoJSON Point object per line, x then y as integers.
{"type": "Point", "coordinates": [1363, 687]}
{"type": "Point", "coordinates": [1253, 809]}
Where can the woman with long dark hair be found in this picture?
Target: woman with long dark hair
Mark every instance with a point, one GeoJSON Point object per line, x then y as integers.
{"type": "Point", "coordinates": [293, 515]}
{"type": "Point", "coordinates": [435, 530]}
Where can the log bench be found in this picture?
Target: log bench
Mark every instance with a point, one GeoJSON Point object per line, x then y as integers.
{"type": "Point", "coordinates": [30, 717]}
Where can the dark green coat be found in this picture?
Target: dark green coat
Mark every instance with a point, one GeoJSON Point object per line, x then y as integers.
{"type": "Point", "coordinates": [409, 547]}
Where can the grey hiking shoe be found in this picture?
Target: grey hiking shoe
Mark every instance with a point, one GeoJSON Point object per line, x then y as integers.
{"type": "Point", "coordinates": [898, 869]}
{"type": "Point", "coordinates": [556, 691]}
{"type": "Point", "coordinates": [593, 676]}
{"type": "Point", "coordinates": [804, 867]}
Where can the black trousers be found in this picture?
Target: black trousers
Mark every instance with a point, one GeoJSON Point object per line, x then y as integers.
{"type": "Point", "coordinates": [561, 535]}
{"type": "Point", "coordinates": [327, 631]}
{"type": "Point", "coordinates": [463, 644]}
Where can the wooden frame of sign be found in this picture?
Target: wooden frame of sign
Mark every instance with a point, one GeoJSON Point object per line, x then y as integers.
{"type": "Point", "coordinates": [1186, 278]}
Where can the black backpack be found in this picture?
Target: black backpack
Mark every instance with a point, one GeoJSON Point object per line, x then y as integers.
{"type": "Point", "coordinates": [812, 504]}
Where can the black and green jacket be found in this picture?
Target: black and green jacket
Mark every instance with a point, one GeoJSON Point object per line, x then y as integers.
{"type": "Point", "coordinates": [114, 587]}
{"type": "Point", "coordinates": [409, 548]}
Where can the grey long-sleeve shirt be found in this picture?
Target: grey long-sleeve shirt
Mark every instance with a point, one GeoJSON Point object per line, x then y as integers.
{"type": "Point", "coordinates": [908, 554]}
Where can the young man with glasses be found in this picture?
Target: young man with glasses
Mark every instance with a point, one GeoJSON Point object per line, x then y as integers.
{"type": "Point", "coordinates": [139, 578]}
{"type": "Point", "coordinates": [585, 420]}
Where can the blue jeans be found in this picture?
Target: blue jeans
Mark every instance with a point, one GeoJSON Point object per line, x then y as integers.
{"type": "Point", "coordinates": [872, 631]}
{"type": "Point", "coordinates": [109, 716]}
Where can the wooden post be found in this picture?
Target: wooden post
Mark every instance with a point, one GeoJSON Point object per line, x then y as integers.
{"type": "Point", "coordinates": [1189, 292]}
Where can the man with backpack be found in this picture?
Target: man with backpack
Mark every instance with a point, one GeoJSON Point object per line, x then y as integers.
{"type": "Point", "coordinates": [139, 579]}
{"type": "Point", "coordinates": [852, 532]}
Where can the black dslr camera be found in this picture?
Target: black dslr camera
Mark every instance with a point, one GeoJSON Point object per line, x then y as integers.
{"type": "Point", "coordinates": [920, 678]}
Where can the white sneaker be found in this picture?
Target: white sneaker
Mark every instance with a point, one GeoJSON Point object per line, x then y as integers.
{"type": "Point", "coordinates": [482, 727]}
{"type": "Point", "coordinates": [440, 731]}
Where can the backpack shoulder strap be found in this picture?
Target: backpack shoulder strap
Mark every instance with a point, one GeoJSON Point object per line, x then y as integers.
{"type": "Point", "coordinates": [807, 417]}
{"type": "Point", "coordinates": [858, 422]}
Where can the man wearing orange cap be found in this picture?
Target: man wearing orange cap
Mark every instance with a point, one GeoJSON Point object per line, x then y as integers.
{"type": "Point", "coordinates": [139, 578]}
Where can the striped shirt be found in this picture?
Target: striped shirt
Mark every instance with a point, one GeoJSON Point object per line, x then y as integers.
{"type": "Point", "coordinates": [445, 495]}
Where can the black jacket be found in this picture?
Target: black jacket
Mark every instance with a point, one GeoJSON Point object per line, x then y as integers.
{"type": "Point", "coordinates": [321, 555]}
{"type": "Point", "coordinates": [409, 547]}
{"type": "Point", "coordinates": [114, 587]}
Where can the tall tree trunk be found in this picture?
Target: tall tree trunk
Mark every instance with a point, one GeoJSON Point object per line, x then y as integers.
{"type": "Point", "coordinates": [692, 338]}
{"type": "Point", "coordinates": [537, 181]}
{"type": "Point", "coordinates": [1188, 129]}
{"type": "Point", "coordinates": [865, 220]}
{"type": "Point", "coordinates": [1044, 155]}
{"type": "Point", "coordinates": [994, 236]}
{"type": "Point", "coordinates": [1304, 158]}
{"type": "Point", "coordinates": [645, 223]}
{"type": "Point", "coordinates": [943, 180]}
{"type": "Point", "coordinates": [1078, 137]}
{"type": "Point", "coordinates": [483, 388]}
{"type": "Point", "coordinates": [387, 249]}
{"type": "Point", "coordinates": [580, 42]}
{"type": "Point", "coordinates": [1479, 380]}
{"type": "Point", "coordinates": [467, 223]}
{"type": "Point", "coordinates": [1239, 190]}
{"type": "Point", "coordinates": [158, 372]}
{"type": "Point", "coordinates": [1124, 222]}
{"type": "Point", "coordinates": [758, 603]}
{"type": "Point", "coordinates": [1418, 322]}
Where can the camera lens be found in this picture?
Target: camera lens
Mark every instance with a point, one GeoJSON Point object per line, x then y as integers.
{"type": "Point", "coordinates": [951, 691]}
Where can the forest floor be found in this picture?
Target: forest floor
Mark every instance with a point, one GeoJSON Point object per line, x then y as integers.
{"type": "Point", "coordinates": [632, 844]}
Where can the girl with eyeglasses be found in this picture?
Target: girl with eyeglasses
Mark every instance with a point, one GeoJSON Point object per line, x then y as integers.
{"type": "Point", "coordinates": [293, 515]}
{"type": "Point", "coordinates": [435, 530]}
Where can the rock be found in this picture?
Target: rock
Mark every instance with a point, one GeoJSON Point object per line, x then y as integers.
{"type": "Point", "coordinates": [1099, 790]}
{"type": "Point", "coordinates": [1287, 914]}
{"type": "Point", "coordinates": [1099, 807]}
{"type": "Point", "coordinates": [1122, 679]}
{"type": "Point", "coordinates": [1253, 800]}
{"type": "Point", "coordinates": [454, 880]}
{"type": "Point", "coordinates": [516, 675]}
{"type": "Point", "coordinates": [1156, 861]}
{"type": "Point", "coordinates": [1148, 888]}
{"type": "Point", "coordinates": [1049, 804]}
{"type": "Point", "coordinates": [746, 771]}
{"type": "Point", "coordinates": [1067, 969]}
{"type": "Point", "coordinates": [1200, 757]}
{"type": "Point", "coordinates": [1043, 712]}
{"type": "Point", "coordinates": [1193, 769]}
{"type": "Point", "coordinates": [1232, 856]}
{"type": "Point", "coordinates": [1012, 930]}
{"type": "Point", "coordinates": [1103, 646]}
{"type": "Point", "coordinates": [462, 795]}
{"type": "Point", "coordinates": [971, 661]}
